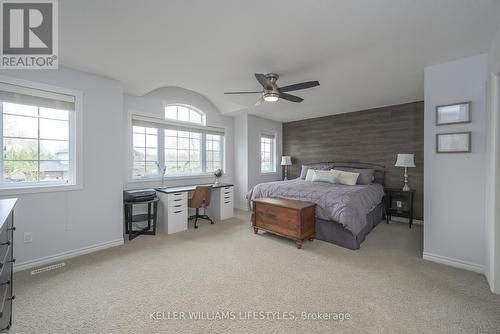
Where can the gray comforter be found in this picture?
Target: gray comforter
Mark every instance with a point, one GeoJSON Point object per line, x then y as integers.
{"type": "Point", "coordinates": [347, 205]}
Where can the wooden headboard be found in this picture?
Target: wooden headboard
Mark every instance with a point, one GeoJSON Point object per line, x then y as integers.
{"type": "Point", "coordinates": [379, 169]}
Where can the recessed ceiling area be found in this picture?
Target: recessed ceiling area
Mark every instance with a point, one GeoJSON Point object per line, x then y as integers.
{"type": "Point", "coordinates": [364, 53]}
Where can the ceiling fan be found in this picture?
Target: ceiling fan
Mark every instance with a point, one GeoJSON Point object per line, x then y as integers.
{"type": "Point", "coordinates": [271, 91]}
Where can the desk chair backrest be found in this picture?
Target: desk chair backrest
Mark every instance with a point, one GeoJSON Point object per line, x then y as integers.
{"type": "Point", "coordinates": [201, 197]}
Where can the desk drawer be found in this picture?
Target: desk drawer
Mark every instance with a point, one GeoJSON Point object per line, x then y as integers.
{"type": "Point", "coordinates": [226, 194]}
{"type": "Point", "coordinates": [177, 198]}
{"type": "Point", "coordinates": [226, 191]}
{"type": "Point", "coordinates": [226, 209]}
{"type": "Point", "coordinates": [176, 206]}
{"type": "Point", "coordinates": [177, 220]}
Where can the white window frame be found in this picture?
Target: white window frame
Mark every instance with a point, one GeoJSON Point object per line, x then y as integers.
{"type": "Point", "coordinates": [75, 143]}
{"type": "Point", "coordinates": [202, 114]}
{"type": "Point", "coordinates": [265, 133]}
{"type": "Point", "coordinates": [161, 148]}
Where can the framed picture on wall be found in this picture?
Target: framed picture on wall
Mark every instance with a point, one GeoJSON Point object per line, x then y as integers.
{"type": "Point", "coordinates": [455, 142]}
{"type": "Point", "coordinates": [453, 113]}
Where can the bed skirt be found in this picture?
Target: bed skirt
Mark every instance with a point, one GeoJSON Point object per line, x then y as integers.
{"type": "Point", "coordinates": [330, 231]}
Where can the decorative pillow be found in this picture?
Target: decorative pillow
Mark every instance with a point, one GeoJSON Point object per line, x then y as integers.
{"type": "Point", "coordinates": [366, 175]}
{"type": "Point", "coordinates": [309, 174]}
{"type": "Point", "coordinates": [323, 176]}
{"type": "Point", "coordinates": [318, 166]}
{"type": "Point", "coordinates": [303, 172]}
{"type": "Point", "coordinates": [347, 178]}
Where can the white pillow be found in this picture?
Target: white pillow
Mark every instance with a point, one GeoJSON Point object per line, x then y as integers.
{"type": "Point", "coordinates": [309, 175]}
{"type": "Point", "coordinates": [347, 178]}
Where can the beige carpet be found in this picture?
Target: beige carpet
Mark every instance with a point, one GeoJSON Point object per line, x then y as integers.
{"type": "Point", "coordinates": [385, 287]}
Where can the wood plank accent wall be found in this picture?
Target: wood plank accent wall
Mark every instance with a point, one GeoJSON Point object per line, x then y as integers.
{"type": "Point", "coordinates": [374, 135]}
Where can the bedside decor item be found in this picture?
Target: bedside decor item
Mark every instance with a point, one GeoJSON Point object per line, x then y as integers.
{"type": "Point", "coordinates": [453, 142]}
{"type": "Point", "coordinates": [405, 160]}
{"type": "Point", "coordinates": [286, 161]}
{"type": "Point", "coordinates": [453, 113]}
{"type": "Point", "coordinates": [218, 174]}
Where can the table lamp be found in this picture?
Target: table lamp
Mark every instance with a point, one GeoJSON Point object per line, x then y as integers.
{"type": "Point", "coordinates": [286, 161]}
{"type": "Point", "coordinates": [405, 160]}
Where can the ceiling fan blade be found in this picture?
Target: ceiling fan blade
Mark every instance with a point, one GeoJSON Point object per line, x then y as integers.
{"type": "Point", "coordinates": [242, 92]}
{"type": "Point", "coordinates": [302, 85]}
{"type": "Point", "coordinates": [261, 78]}
{"type": "Point", "coordinates": [290, 97]}
{"type": "Point", "coordinates": [259, 102]}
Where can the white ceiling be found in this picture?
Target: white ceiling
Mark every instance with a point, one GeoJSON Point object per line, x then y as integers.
{"type": "Point", "coordinates": [365, 53]}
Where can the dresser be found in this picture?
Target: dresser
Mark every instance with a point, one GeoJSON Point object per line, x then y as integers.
{"type": "Point", "coordinates": [174, 206]}
{"type": "Point", "coordinates": [6, 261]}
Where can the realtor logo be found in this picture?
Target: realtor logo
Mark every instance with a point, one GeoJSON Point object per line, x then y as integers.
{"type": "Point", "coordinates": [29, 34]}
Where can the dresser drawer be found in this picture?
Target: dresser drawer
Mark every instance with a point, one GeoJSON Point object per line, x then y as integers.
{"type": "Point", "coordinates": [5, 285]}
{"type": "Point", "coordinates": [5, 233]}
{"type": "Point", "coordinates": [5, 258]}
{"type": "Point", "coordinates": [6, 305]}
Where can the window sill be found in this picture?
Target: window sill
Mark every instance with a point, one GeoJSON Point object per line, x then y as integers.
{"type": "Point", "coordinates": [269, 173]}
{"type": "Point", "coordinates": [167, 178]}
{"type": "Point", "coordinates": [9, 191]}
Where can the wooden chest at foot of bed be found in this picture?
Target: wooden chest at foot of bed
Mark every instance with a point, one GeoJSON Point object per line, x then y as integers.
{"type": "Point", "coordinates": [287, 218]}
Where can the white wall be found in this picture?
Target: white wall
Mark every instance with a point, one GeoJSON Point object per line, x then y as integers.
{"type": "Point", "coordinates": [256, 125]}
{"type": "Point", "coordinates": [68, 223]}
{"type": "Point", "coordinates": [241, 160]}
{"type": "Point", "coordinates": [247, 141]}
{"type": "Point", "coordinates": [454, 184]}
{"type": "Point", "coordinates": [492, 269]}
{"type": "Point", "coordinates": [152, 105]}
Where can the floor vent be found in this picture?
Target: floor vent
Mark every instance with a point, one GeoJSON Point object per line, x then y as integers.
{"type": "Point", "coordinates": [51, 267]}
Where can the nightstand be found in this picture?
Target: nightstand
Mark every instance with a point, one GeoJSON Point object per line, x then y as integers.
{"type": "Point", "coordinates": [399, 203]}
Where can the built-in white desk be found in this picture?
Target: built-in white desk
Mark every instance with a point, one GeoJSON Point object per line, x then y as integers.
{"type": "Point", "coordinates": [174, 209]}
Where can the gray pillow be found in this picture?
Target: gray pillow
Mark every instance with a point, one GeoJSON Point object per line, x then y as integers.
{"type": "Point", "coordinates": [366, 175]}
{"type": "Point", "coordinates": [318, 166]}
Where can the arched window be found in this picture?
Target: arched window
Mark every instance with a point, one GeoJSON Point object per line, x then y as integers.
{"type": "Point", "coordinates": [171, 149]}
{"type": "Point", "coordinates": [184, 113]}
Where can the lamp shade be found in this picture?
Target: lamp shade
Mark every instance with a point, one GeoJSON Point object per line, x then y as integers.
{"type": "Point", "coordinates": [405, 160]}
{"type": "Point", "coordinates": [286, 160]}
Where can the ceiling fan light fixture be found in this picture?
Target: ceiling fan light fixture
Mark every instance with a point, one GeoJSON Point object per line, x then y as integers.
{"type": "Point", "coordinates": [271, 97]}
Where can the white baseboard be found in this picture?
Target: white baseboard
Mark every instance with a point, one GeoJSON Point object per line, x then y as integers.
{"type": "Point", "coordinates": [66, 255]}
{"type": "Point", "coordinates": [478, 268]}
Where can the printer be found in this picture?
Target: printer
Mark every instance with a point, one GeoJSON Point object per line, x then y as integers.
{"type": "Point", "coordinates": [141, 195]}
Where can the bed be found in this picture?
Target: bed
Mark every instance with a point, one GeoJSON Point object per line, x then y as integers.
{"type": "Point", "coordinates": [344, 214]}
